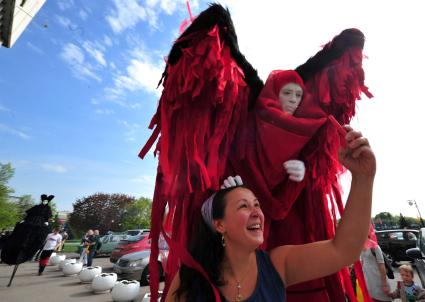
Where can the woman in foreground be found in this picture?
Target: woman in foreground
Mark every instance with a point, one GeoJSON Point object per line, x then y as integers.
{"type": "Point", "coordinates": [227, 240]}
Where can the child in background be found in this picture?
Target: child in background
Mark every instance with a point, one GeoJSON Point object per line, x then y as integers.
{"type": "Point", "coordinates": [407, 290]}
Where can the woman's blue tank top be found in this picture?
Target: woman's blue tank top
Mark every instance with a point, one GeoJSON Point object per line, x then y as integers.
{"type": "Point", "coordinates": [270, 287]}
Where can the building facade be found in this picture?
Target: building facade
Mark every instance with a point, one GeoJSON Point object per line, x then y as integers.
{"type": "Point", "coordinates": [15, 15]}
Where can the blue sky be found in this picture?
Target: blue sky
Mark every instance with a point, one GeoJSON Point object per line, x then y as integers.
{"type": "Point", "coordinates": [78, 88]}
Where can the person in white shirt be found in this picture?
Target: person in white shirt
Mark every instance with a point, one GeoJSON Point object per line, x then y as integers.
{"type": "Point", "coordinates": [53, 240]}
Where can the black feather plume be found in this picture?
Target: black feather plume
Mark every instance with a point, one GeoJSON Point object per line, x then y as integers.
{"type": "Point", "coordinates": [333, 50]}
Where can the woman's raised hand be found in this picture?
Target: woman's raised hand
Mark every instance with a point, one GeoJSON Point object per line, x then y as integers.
{"type": "Point", "coordinates": [357, 155]}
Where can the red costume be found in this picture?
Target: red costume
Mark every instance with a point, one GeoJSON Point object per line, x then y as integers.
{"type": "Point", "coordinates": [213, 125]}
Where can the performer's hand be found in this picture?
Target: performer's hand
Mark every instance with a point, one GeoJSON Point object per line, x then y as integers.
{"type": "Point", "coordinates": [46, 223]}
{"type": "Point", "coordinates": [296, 169]}
{"type": "Point", "coordinates": [232, 182]}
{"type": "Point", "coordinates": [357, 156]}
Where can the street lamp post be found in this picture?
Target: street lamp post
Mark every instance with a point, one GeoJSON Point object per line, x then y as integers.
{"type": "Point", "coordinates": [413, 202]}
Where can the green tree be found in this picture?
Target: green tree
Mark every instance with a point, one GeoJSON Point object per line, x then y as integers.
{"type": "Point", "coordinates": [402, 222]}
{"type": "Point", "coordinates": [8, 214]}
{"type": "Point", "coordinates": [102, 211]}
{"type": "Point", "coordinates": [6, 173]}
{"type": "Point", "coordinates": [23, 203]}
{"type": "Point", "coordinates": [137, 215]}
{"type": "Point", "coordinates": [385, 219]}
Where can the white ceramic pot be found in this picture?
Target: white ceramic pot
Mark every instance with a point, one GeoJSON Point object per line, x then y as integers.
{"type": "Point", "coordinates": [55, 260]}
{"type": "Point", "coordinates": [66, 261]}
{"type": "Point", "coordinates": [125, 291]}
{"type": "Point", "coordinates": [72, 268]}
{"type": "Point", "coordinates": [104, 282]}
{"type": "Point", "coordinates": [87, 274]}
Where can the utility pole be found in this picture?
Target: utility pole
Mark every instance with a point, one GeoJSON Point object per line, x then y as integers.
{"type": "Point", "coordinates": [413, 202]}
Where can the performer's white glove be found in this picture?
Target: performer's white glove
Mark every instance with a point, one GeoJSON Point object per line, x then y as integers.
{"type": "Point", "coordinates": [232, 182]}
{"type": "Point", "coordinates": [46, 223]}
{"type": "Point", "coordinates": [296, 169]}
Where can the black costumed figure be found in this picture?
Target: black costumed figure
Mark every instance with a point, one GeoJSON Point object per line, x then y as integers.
{"type": "Point", "coordinates": [28, 235]}
{"type": "Point", "coordinates": [216, 118]}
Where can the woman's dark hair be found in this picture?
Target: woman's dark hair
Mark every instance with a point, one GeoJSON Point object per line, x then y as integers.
{"type": "Point", "coordinates": [206, 248]}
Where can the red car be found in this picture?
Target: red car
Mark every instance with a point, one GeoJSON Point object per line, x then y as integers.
{"type": "Point", "coordinates": [131, 245]}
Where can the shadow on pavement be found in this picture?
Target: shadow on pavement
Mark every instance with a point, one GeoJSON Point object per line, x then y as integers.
{"type": "Point", "coordinates": [82, 294]}
{"type": "Point", "coordinates": [71, 284]}
{"type": "Point", "coordinates": [55, 276]}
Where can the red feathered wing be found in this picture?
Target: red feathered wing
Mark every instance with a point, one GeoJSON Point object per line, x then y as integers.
{"type": "Point", "coordinates": [334, 80]}
{"type": "Point", "coordinates": [205, 97]}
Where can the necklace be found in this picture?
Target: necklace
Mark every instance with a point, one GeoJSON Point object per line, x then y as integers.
{"type": "Point", "coordinates": [239, 297]}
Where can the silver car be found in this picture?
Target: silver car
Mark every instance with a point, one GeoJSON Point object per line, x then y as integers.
{"type": "Point", "coordinates": [135, 266]}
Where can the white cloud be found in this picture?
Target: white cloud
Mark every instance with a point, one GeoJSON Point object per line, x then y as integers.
{"type": "Point", "coordinates": [104, 111]}
{"type": "Point", "coordinates": [127, 14]}
{"type": "Point", "coordinates": [12, 131]}
{"type": "Point", "coordinates": [95, 52]}
{"type": "Point", "coordinates": [118, 96]}
{"type": "Point", "coordinates": [132, 129]}
{"type": "Point", "coordinates": [64, 21]}
{"type": "Point", "coordinates": [35, 48]}
{"type": "Point", "coordinates": [4, 109]}
{"type": "Point", "coordinates": [83, 14]}
{"type": "Point", "coordinates": [74, 56]}
{"type": "Point", "coordinates": [54, 168]}
{"type": "Point", "coordinates": [152, 18]}
{"type": "Point", "coordinates": [144, 179]}
{"type": "Point", "coordinates": [168, 6]}
{"type": "Point", "coordinates": [107, 41]}
{"type": "Point", "coordinates": [141, 74]}
{"type": "Point", "coordinates": [155, 7]}
{"type": "Point", "coordinates": [65, 4]}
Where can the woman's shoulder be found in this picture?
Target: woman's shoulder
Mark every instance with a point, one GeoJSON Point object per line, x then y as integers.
{"type": "Point", "coordinates": [175, 284]}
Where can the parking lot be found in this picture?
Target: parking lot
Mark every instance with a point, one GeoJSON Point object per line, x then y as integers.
{"type": "Point", "coordinates": [29, 287]}
{"type": "Point", "coordinates": [52, 285]}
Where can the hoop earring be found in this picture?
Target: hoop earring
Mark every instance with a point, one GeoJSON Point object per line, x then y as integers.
{"type": "Point", "coordinates": [223, 243]}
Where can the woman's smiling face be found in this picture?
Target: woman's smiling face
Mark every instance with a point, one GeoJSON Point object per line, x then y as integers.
{"type": "Point", "coordinates": [243, 220]}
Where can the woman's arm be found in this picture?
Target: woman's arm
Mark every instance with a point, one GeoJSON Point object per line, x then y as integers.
{"type": "Point", "coordinates": [298, 263]}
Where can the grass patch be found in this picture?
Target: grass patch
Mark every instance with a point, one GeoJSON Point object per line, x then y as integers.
{"type": "Point", "coordinates": [71, 246]}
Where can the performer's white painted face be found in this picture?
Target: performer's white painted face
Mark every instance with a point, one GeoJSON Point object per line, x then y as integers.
{"type": "Point", "coordinates": [44, 202]}
{"type": "Point", "coordinates": [290, 96]}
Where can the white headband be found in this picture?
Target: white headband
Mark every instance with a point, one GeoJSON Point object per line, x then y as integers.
{"type": "Point", "coordinates": [206, 211]}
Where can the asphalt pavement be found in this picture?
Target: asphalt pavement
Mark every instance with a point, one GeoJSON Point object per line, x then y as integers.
{"type": "Point", "coordinates": [52, 286]}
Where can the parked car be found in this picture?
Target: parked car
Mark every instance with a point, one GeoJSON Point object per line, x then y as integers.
{"type": "Point", "coordinates": [137, 232]}
{"type": "Point", "coordinates": [394, 243]}
{"type": "Point", "coordinates": [109, 243]}
{"type": "Point", "coordinates": [130, 245]}
{"type": "Point", "coordinates": [133, 235]}
{"type": "Point", "coordinates": [135, 266]}
{"type": "Point", "coordinates": [418, 254]}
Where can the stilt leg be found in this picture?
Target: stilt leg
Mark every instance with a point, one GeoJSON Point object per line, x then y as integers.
{"type": "Point", "coordinates": [13, 275]}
